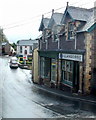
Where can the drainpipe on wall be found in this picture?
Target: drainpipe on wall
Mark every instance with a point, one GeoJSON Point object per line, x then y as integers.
{"type": "Point", "coordinates": [75, 41]}
{"type": "Point", "coordinates": [83, 80]}
{"type": "Point", "coordinates": [75, 36]}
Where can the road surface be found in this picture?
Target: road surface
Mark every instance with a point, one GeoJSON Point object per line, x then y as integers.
{"type": "Point", "coordinates": [21, 99]}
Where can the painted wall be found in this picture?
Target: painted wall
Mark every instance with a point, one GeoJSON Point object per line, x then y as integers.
{"type": "Point", "coordinates": [23, 50]}
{"type": "Point", "coordinates": [35, 66]}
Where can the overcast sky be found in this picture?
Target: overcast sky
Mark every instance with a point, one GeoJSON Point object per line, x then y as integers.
{"type": "Point", "coordinates": [20, 19]}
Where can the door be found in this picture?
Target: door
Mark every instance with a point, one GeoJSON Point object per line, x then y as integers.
{"type": "Point", "coordinates": [76, 77]}
{"type": "Point", "coordinates": [54, 70]}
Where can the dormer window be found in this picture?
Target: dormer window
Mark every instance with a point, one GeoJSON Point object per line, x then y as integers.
{"type": "Point", "coordinates": [70, 31]}
{"type": "Point", "coordinates": [46, 34]}
{"type": "Point", "coordinates": [55, 37]}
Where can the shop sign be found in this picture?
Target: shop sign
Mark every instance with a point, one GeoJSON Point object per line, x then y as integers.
{"type": "Point", "coordinates": [74, 57]}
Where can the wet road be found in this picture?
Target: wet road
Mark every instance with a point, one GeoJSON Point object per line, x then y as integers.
{"type": "Point", "coordinates": [21, 99]}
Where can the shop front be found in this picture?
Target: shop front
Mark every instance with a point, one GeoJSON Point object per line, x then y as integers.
{"type": "Point", "coordinates": [70, 71]}
{"type": "Point", "coordinates": [53, 72]}
{"type": "Point", "coordinates": [48, 68]}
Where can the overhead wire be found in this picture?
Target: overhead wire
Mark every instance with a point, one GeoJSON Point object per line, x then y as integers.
{"type": "Point", "coordinates": [28, 21]}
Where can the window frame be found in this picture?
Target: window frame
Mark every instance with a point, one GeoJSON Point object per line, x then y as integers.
{"type": "Point", "coordinates": [67, 73]}
{"type": "Point", "coordinates": [20, 49]}
{"type": "Point", "coordinates": [30, 49]}
{"type": "Point", "coordinates": [70, 31]}
{"type": "Point", "coordinates": [55, 37]}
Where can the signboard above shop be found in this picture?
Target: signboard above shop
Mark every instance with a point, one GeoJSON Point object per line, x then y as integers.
{"type": "Point", "coordinates": [74, 57]}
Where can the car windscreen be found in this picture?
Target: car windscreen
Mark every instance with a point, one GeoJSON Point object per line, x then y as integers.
{"type": "Point", "coordinates": [14, 61]}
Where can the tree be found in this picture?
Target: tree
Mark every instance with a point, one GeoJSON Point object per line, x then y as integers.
{"type": "Point", "coordinates": [14, 46]}
{"type": "Point", "coordinates": [2, 36]}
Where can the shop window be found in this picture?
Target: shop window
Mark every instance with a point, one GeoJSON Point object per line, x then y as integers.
{"type": "Point", "coordinates": [53, 70]}
{"type": "Point", "coordinates": [45, 67]}
{"type": "Point", "coordinates": [67, 71]}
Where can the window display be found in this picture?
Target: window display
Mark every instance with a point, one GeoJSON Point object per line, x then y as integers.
{"type": "Point", "coordinates": [67, 71]}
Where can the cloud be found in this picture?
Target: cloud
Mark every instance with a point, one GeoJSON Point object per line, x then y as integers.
{"type": "Point", "coordinates": [29, 13]}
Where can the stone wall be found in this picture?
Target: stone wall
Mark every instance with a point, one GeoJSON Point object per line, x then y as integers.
{"type": "Point", "coordinates": [88, 62]}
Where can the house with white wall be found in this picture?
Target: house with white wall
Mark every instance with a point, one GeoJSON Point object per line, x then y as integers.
{"type": "Point", "coordinates": [25, 48]}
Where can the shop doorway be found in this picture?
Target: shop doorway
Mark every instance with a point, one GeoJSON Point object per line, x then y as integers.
{"type": "Point", "coordinates": [53, 72]}
{"type": "Point", "coordinates": [76, 76]}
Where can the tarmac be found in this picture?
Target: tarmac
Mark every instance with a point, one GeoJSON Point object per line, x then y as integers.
{"type": "Point", "coordinates": [66, 95]}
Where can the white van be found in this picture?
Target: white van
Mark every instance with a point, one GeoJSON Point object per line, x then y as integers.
{"type": "Point", "coordinates": [13, 62]}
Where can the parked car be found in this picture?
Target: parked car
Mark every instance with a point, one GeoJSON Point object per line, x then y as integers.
{"type": "Point", "coordinates": [13, 62]}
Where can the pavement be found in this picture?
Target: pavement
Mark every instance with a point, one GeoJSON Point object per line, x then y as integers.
{"type": "Point", "coordinates": [66, 95]}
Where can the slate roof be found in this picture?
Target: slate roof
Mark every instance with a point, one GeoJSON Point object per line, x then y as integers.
{"type": "Point", "coordinates": [44, 24]}
{"type": "Point", "coordinates": [26, 42]}
{"type": "Point", "coordinates": [77, 13]}
{"type": "Point", "coordinates": [81, 14]}
{"type": "Point", "coordinates": [91, 21]}
{"type": "Point", "coordinates": [55, 19]}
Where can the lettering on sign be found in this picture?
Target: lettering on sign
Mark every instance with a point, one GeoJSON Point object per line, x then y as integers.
{"type": "Point", "coordinates": [74, 57]}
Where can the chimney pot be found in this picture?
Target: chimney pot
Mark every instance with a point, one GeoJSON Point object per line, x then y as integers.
{"type": "Point", "coordinates": [52, 11]}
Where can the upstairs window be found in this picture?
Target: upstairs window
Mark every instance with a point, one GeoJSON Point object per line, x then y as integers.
{"type": "Point", "coordinates": [55, 37]}
{"type": "Point", "coordinates": [70, 31]}
{"type": "Point", "coordinates": [48, 33]}
{"type": "Point", "coordinates": [30, 49]}
{"type": "Point", "coordinates": [20, 49]}
{"type": "Point", "coordinates": [45, 35]}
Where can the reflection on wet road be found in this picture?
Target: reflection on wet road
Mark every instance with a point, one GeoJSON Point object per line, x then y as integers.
{"type": "Point", "coordinates": [21, 99]}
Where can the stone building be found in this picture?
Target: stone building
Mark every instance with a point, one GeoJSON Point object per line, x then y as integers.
{"type": "Point", "coordinates": [5, 48]}
{"type": "Point", "coordinates": [67, 51]}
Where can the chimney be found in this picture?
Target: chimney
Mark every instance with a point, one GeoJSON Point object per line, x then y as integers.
{"type": "Point", "coordinates": [42, 16]}
{"type": "Point", "coordinates": [67, 4]}
{"type": "Point", "coordinates": [52, 11]}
